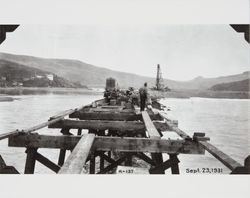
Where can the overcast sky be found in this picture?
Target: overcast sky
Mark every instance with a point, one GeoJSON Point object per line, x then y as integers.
{"type": "Point", "coordinates": [183, 51]}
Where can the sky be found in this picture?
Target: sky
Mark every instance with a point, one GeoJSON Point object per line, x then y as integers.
{"type": "Point", "coordinates": [183, 51]}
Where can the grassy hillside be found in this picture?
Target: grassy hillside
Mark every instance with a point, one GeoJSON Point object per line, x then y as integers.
{"type": "Point", "coordinates": [15, 74]}
{"type": "Point", "coordinates": [94, 76]}
{"type": "Point", "coordinates": [242, 85]}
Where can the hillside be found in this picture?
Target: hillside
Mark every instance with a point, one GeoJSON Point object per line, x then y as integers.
{"type": "Point", "coordinates": [94, 76]}
{"type": "Point", "coordinates": [242, 85]}
{"type": "Point", "coordinates": [15, 74]}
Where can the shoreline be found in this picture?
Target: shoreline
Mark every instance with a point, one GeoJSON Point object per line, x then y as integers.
{"type": "Point", "coordinates": [187, 94]}
{"type": "Point", "coordinates": [181, 94]}
{"type": "Point", "coordinates": [10, 91]}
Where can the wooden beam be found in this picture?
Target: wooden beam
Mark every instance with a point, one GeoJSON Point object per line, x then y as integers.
{"type": "Point", "coordinates": [150, 127]}
{"type": "Point", "coordinates": [75, 162]}
{"type": "Point", "coordinates": [46, 162]}
{"type": "Point", "coordinates": [118, 116]}
{"type": "Point", "coordinates": [109, 144]}
{"type": "Point", "coordinates": [222, 157]}
{"type": "Point", "coordinates": [104, 124]}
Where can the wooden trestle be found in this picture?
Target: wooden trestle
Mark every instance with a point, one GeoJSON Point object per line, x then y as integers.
{"type": "Point", "coordinates": [115, 137]}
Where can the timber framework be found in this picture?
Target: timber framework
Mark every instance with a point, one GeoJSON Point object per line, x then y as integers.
{"type": "Point", "coordinates": [102, 138]}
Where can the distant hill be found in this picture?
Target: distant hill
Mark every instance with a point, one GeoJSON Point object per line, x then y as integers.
{"type": "Point", "coordinates": [93, 76]}
{"type": "Point", "coordinates": [242, 85]}
{"type": "Point", "coordinates": [15, 74]}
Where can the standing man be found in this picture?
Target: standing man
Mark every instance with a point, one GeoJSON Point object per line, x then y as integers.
{"type": "Point", "coordinates": [143, 91]}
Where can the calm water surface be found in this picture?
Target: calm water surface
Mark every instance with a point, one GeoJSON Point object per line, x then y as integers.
{"type": "Point", "coordinates": [225, 121]}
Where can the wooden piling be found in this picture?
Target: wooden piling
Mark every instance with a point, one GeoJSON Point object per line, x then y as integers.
{"type": "Point", "coordinates": [30, 161]}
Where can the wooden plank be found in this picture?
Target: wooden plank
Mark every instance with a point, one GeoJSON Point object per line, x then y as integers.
{"type": "Point", "coordinates": [150, 127]}
{"type": "Point", "coordinates": [119, 116]}
{"type": "Point", "coordinates": [109, 144]}
{"type": "Point", "coordinates": [99, 125]}
{"type": "Point", "coordinates": [104, 125]}
{"type": "Point", "coordinates": [75, 162]}
{"type": "Point", "coordinates": [222, 157]}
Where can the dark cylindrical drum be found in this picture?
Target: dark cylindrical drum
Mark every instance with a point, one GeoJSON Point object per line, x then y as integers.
{"type": "Point", "coordinates": [110, 83]}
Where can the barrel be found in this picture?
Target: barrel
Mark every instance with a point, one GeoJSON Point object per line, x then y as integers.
{"type": "Point", "coordinates": [110, 83]}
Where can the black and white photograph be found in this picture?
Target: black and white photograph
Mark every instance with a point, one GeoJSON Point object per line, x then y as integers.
{"type": "Point", "coordinates": [125, 99]}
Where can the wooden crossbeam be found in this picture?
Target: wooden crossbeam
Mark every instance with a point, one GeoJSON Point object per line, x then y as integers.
{"type": "Point", "coordinates": [46, 162]}
{"type": "Point", "coordinates": [145, 158]}
{"type": "Point", "coordinates": [150, 127]}
{"type": "Point", "coordinates": [75, 162]}
{"type": "Point", "coordinates": [4, 169]}
{"type": "Point", "coordinates": [222, 157]}
{"type": "Point", "coordinates": [119, 116]}
{"type": "Point", "coordinates": [173, 127]}
{"type": "Point", "coordinates": [104, 124]}
{"type": "Point", "coordinates": [113, 165]}
{"type": "Point", "coordinates": [108, 144]}
{"type": "Point", "coordinates": [105, 157]}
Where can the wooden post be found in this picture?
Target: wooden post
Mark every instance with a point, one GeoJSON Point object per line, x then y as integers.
{"type": "Point", "coordinates": [30, 161]}
{"type": "Point", "coordinates": [175, 166]}
{"type": "Point", "coordinates": [92, 164]}
{"type": "Point", "coordinates": [61, 159]}
{"type": "Point", "coordinates": [158, 159]}
{"type": "Point", "coordinates": [79, 132]}
{"type": "Point", "coordinates": [128, 161]}
{"type": "Point", "coordinates": [101, 163]}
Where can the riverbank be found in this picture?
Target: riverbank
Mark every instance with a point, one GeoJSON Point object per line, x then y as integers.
{"type": "Point", "coordinates": [45, 90]}
{"type": "Point", "coordinates": [200, 94]}
{"type": "Point", "coordinates": [6, 99]}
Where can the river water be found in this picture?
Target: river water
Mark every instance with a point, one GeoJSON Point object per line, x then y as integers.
{"type": "Point", "coordinates": [225, 121]}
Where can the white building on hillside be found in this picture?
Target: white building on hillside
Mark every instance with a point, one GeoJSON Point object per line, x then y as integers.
{"type": "Point", "coordinates": [50, 77]}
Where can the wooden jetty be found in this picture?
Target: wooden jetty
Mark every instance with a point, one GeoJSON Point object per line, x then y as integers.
{"type": "Point", "coordinates": [109, 138]}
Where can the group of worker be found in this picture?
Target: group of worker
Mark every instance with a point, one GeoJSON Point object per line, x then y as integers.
{"type": "Point", "coordinates": [130, 96]}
